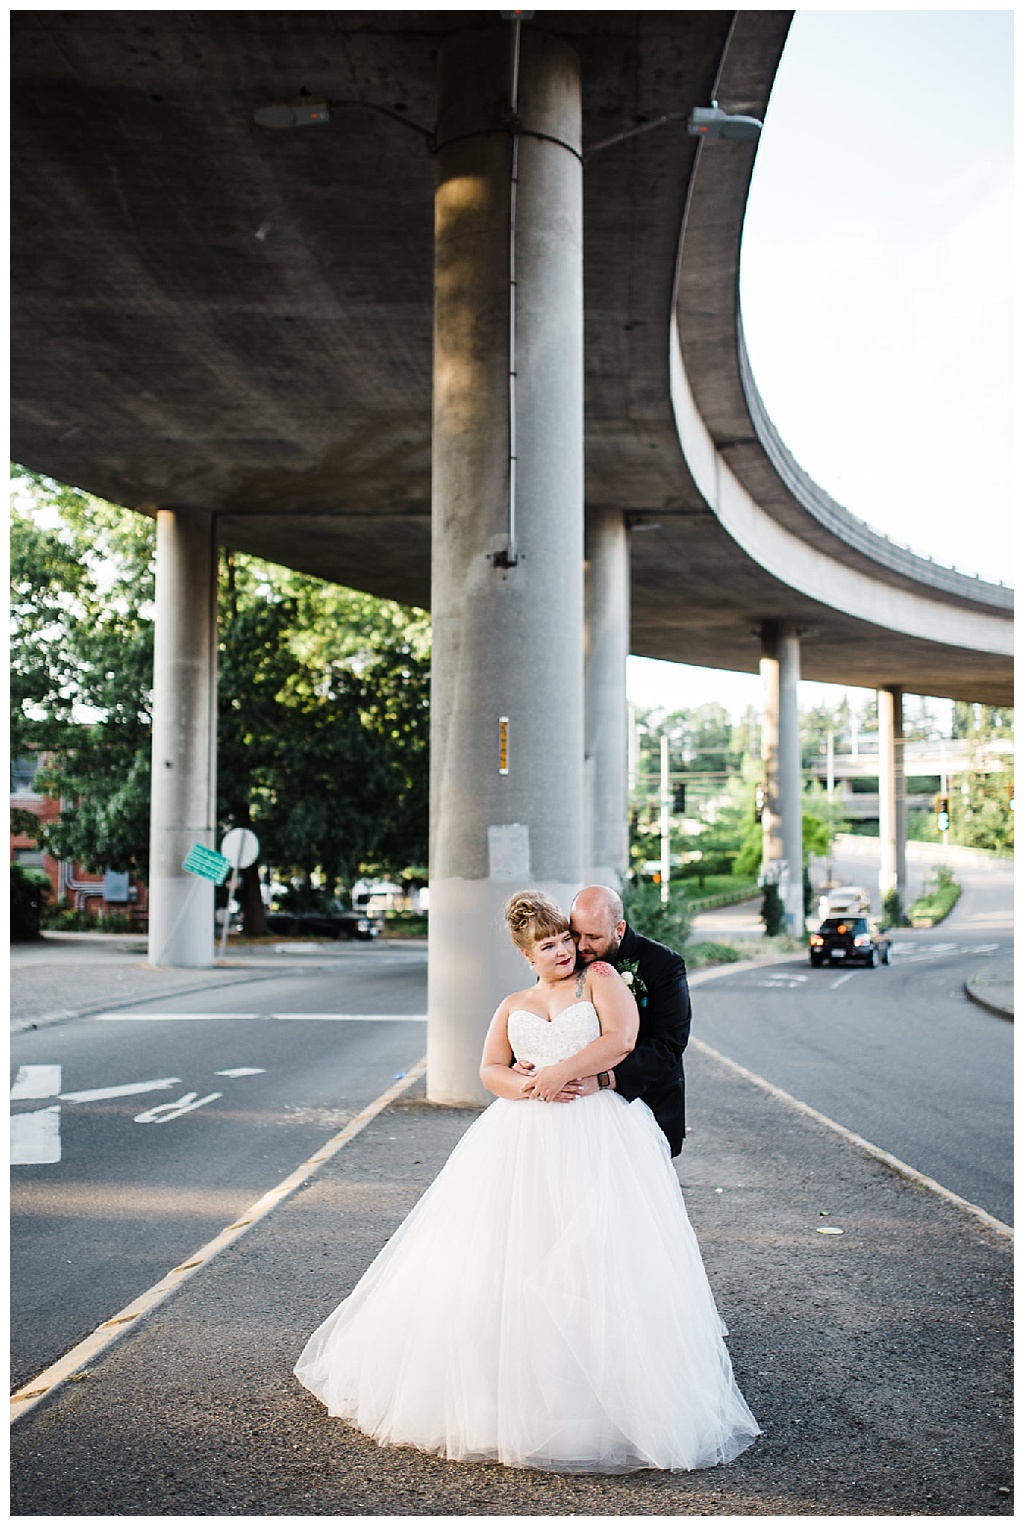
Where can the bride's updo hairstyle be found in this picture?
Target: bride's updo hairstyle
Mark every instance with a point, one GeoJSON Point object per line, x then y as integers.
{"type": "Point", "coordinates": [530, 915]}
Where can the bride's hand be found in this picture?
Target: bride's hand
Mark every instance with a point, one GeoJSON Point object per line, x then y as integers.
{"type": "Point", "coordinates": [546, 1083]}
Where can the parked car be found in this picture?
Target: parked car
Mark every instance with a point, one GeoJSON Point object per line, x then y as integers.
{"type": "Point", "coordinates": [325, 924]}
{"type": "Point", "coordinates": [849, 939]}
{"type": "Point", "coordinates": [847, 900]}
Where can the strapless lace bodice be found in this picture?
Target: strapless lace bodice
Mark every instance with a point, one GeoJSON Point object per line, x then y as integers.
{"type": "Point", "coordinates": [537, 1042]}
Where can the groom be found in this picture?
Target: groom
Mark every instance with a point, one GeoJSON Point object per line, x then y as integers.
{"type": "Point", "coordinates": [657, 977]}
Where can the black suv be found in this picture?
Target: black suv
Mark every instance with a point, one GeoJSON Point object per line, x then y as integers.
{"type": "Point", "coordinates": [849, 939]}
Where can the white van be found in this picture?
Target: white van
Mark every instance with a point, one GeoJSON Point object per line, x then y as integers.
{"type": "Point", "coordinates": [848, 901]}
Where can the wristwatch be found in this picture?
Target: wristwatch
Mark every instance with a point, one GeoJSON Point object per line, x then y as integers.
{"type": "Point", "coordinates": [603, 1079]}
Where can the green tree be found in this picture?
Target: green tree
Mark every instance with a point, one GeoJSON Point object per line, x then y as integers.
{"type": "Point", "coordinates": [982, 816]}
{"type": "Point", "coordinates": [322, 697]}
{"type": "Point", "coordinates": [81, 667]}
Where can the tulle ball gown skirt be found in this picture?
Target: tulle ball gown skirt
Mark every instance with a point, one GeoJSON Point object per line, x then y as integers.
{"type": "Point", "coordinates": [544, 1305]}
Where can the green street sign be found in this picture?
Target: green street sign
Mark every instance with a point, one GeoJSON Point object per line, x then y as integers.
{"type": "Point", "coordinates": [207, 863]}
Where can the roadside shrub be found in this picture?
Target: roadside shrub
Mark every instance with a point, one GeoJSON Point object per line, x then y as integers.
{"type": "Point", "coordinates": [941, 893]}
{"type": "Point", "coordinates": [773, 913]}
{"type": "Point", "coordinates": [893, 914]}
{"type": "Point", "coordinates": [30, 891]}
{"type": "Point", "coordinates": [669, 923]}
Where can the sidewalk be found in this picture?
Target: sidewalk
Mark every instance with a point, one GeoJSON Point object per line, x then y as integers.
{"type": "Point", "coordinates": [877, 1360]}
{"type": "Point", "coordinates": [69, 975]}
{"type": "Point", "coordinates": [992, 987]}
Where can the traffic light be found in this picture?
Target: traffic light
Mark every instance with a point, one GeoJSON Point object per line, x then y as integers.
{"type": "Point", "coordinates": [942, 812]}
{"type": "Point", "coordinates": [759, 802]}
{"type": "Point", "coordinates": [679, 800]}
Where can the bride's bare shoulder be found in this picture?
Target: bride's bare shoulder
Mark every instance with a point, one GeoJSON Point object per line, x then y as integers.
{"type": "Point", "coordinates": [603, 970]}
{"type": "Point", "coordinates": [518, 998]}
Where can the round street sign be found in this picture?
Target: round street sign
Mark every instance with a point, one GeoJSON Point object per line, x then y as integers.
{"type": "Point", "coordinates": [241, 846]}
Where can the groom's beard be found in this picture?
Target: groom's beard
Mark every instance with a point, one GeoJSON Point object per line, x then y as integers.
{"type": "Point", "coordinates": [610, 952]}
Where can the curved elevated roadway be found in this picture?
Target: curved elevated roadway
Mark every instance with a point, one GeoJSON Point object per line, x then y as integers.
{"type": "Point", "coordinates": [213, 316]}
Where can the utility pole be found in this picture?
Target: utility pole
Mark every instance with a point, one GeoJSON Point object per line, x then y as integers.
{"type": "Point", "coordinates": [666, 803]}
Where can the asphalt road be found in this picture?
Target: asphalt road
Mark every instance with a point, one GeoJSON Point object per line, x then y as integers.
{"type": "Point", "coordinates": [144, 1179]}
{"type": "Point", "coordinates": [876, 1361]}
{"type": "Point", "coordinates": [898, 1054]}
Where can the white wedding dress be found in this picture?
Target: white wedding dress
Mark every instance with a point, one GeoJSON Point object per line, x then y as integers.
{"type": "Point", "coordinates": [544, 1305]}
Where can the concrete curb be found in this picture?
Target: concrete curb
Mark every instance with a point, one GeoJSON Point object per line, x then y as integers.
{"type": "Point", "coordinates": [49, 1019]}
{"type": "Point", "coordinates": [1000, 1009]}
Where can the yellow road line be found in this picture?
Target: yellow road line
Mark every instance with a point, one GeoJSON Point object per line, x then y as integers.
{"type": "Point", "coordinates": [892, 1161]}
{"type": "Point", "coordinates": [37, 1389]}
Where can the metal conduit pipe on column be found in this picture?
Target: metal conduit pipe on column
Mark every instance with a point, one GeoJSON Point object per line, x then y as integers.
{"type": "Point", "coordinates": [607, 710]}
{"type": "Point", "coordinates": [507, 737]}
{"type": "Point", "coordinates": [184, 798]}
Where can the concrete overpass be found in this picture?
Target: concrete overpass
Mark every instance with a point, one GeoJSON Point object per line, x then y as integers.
{"type": "Point", "coordinates": [297, 344]}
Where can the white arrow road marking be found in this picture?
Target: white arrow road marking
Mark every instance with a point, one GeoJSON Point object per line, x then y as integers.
{"type": "Point", "coordinates": [35, 1138]}
{"type": "Point", "coordinates": [131, 1089]}
{"type": "Point", "coordinates": [165, 1111]}
{"type": "Point", "coordinates": [241, 1070]}
{"type": "Point", "coordinates": [848, 976]}
{"type": "Point", "coordinates": [36, 1081]}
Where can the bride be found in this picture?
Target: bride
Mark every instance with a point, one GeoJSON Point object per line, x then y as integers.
{"type": "Point", "coordinates": [544, 1305]}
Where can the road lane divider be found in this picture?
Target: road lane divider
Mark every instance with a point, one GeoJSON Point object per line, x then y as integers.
{"type": "Point", "coordinates": [256, 1017]}
{"type": "Point", "coordinates": [32, 1393]}
{"type": "Point", "coordinates": [875, 1151]}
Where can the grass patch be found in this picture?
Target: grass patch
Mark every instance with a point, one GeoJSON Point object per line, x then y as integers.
{"type": "Point", "coordinates": [941, 893]}
{"type": "Point", "coordinates": [700, 955]}
{"type": "Point", "coordinates": [406, 924]}
{"type": "Point", "coordinates": [717, 884]}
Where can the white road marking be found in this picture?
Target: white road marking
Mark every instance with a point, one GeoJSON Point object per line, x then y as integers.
{"type": "Point", "coordinates": [175, 1017]}
{"type": "Point", "coordinates": [130, 1089]}
{"type": "Point", "coordinates": [36, 1081]}
{"type": "Point", "coordinates": [241, 1070]}
{"type": "Point", "coordinates": [35, 1138]}
{"type": "Point", "coordinates": [349, 1017]}
{"type": "Point", "coordinates": [33, 1392]}
{"type": "Point", "coordinates": [165, 1111]}
{"type": "Point", "coordinates": [848, 976]}
{"type": "Point", "coordinates": [254, 1017]}
{"type": "Point", "coordinates": [892, 1161]}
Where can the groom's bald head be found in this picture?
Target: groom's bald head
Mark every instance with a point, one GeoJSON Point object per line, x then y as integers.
{"type": "Point", "coordinates": [597, 923]}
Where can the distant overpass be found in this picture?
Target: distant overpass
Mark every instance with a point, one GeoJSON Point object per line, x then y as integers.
{"type": "Point", "coordinates": [297, 344]}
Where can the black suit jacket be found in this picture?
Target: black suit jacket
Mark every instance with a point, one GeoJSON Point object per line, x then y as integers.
{"type": "Point", "coordinates": [654, 1070]}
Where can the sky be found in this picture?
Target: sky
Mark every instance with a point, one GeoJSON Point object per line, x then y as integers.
{"type": "Point", "coordinates": [876, 289]}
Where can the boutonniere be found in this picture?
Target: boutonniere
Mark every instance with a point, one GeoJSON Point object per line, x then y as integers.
{"type": "Point", "coordinates": [630, 972]}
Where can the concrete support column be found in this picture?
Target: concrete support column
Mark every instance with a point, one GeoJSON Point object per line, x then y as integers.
{"type": "Point", "coordinates": [892, 794]}
{"type": "Point", "coordinates": [607, 713]}
{"type": "Point", "coordinates": [782, 820]}
{"type": "Point", "coordinates": [184, 798]}
{"type": "Point", "coordinates": [507, 671]}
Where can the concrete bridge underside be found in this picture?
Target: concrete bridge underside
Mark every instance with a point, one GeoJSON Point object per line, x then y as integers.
{"type": "Point", "coordinates": [214, 316]}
